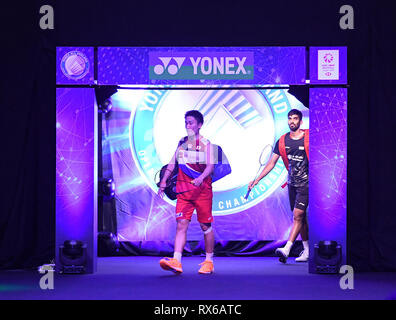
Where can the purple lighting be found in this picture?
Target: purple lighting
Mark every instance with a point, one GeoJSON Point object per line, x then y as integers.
{"type": "Point", "coordinates": [76, 162]}
{"type": "Point", "coordinates": [74, 65]}
{"type": "Point", "coordinates": [328, 65]}
{"type": "Point", "coordinates": [327, 167]}
{"type": "Point", "coordinates": [201, 65]}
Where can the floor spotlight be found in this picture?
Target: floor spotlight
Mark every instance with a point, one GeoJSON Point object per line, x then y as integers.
{"type": "Point", "coordinates": [73, 257]}
{"type": "Point", "coordinates": [327, 257]}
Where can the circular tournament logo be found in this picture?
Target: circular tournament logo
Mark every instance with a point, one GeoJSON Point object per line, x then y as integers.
{"type": "Point", "coordinates": [75, 65]}
{"type": "Point", "coordinates": [242, 122]}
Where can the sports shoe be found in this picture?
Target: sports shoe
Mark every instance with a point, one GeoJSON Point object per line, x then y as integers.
{"type": "Point", "coordinates": [304, 255]}
{"type": "Point", "coordinates": [171, 264]}
{"type": "Point", "coordinates": [207, 267]}
{"type": "Point", "coordinates": [283, 254]}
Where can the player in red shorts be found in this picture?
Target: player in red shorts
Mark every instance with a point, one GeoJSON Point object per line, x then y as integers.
{"type": "Point", "coordinates": [196, 153]}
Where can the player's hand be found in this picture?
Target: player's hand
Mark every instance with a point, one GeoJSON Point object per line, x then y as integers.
{"type": "Point", "coordinates": [197, 182]}
{"type": "Point", "coordinates": [252, 184]}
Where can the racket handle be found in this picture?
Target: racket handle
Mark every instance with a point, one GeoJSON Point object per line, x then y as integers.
{"type": "Point", "coordinates": [247, 194]}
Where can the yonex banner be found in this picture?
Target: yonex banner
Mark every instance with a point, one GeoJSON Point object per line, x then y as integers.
{"type": "Point", "coordinates": [148, 66]}
{"type": "Point", "coordinates": [201, 66]}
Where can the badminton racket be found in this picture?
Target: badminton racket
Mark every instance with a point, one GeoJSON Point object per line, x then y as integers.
{"type": "Point", "coordinates": [263, 160]}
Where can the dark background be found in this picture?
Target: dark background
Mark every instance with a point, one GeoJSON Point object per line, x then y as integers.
{"type": "Point", "coordinates": [27, 89]}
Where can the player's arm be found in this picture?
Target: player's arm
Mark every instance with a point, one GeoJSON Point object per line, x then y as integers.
{"type": "Point", "coordinates": [169, 169]}
{"type": "Point", "coordinates": [209, 166]}
{"type": "Point", "coordinates": [268, 167]}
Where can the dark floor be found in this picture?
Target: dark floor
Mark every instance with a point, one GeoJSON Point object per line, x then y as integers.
{"type": "Point", "coordinates": [235, 278]}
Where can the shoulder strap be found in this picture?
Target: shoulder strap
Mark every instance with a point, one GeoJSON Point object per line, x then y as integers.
{"type": "Point", "coordinates": [282, 151]}
{"type": "Point", "coordinates": [182, 140]}
{"type": "Point", "coordinates": [306, 142]}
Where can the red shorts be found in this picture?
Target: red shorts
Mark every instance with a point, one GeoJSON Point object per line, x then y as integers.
{"type": "Point", "coordinates": [200, 199]}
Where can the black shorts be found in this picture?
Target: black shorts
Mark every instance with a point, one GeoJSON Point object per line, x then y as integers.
{"type": "Point", "coordinates": [298, 197]}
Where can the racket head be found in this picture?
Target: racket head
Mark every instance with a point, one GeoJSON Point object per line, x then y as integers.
{"type": "Point", "coordinates": [265, 154]}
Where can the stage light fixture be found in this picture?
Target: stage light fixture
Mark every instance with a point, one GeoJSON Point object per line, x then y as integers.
{"type": "Point", "coordinates": [105, 107]}
{"type": "Point", "coordinates": [327, 256]}
{"type": "Point", "coordinates": [73, 257]}
{"type": "Point", "coordinates": [106, 188]}
{"type": "Point", "coordinates": [103, 95]}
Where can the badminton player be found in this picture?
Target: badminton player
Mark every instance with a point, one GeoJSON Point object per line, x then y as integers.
{"type": "Point", "coordinates": [294, 150]}
{"type": "Point", "coordinates": [195, 153]}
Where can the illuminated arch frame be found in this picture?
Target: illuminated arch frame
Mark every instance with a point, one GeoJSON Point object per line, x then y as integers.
{"type": "Point", "coordinates": [68, 218]}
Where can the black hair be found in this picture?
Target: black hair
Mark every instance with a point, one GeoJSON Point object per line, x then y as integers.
{"type": "Point", "coordinates": [196, 115]}
{"type": "Point", "coordinates": [295, 111]}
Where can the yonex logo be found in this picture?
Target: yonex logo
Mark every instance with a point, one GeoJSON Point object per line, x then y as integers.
{"type": "Point", "coordinates": [171, 68]}
{"type": "Point", "coordinates": [201, 65]}
{"type": "Point", "coordinates": [207, 65]}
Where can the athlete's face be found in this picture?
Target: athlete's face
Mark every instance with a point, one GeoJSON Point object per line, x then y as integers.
{"type": "Point", "coordinates": [294, 122]}
{"type": "Point", "coordinates": [192, 126]}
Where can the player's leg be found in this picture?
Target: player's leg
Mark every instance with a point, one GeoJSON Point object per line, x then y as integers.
{"type": "Point", "coordinates": [304, 230]}
{"type": "Point", "coordinates": [184, 211]}
{"type": "Point", "coordinates": [302, 201]}
{"type": "Point", "coordinates": [209, 240]}
{"type": "Point", "coordinates": [298, 218]}
{"type": "Point", "coordinates": [304, 255]}
{"type": "Point", "coordinates": [283, 253]}
{"type": "Point", "coordinates": [204, 214]}
{"type": "Point", "coordinates": [181, 236]}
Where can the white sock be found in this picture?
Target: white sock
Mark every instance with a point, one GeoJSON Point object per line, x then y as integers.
{"type": "Point", "coordinates": [177, 256]}
{"type": "Point", "coordinates": [305, 245]}
{"type": "Point", "coordinates": [209, 256]}
{"type": "Point", "coordinates": [288, 245]}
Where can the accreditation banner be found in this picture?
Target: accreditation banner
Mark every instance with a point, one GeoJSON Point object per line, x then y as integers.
{"type": "Point", "coordinates": [328, 65]}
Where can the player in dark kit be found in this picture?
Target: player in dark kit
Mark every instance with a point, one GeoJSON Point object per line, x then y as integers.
{"type": "Point", "coordinates": [293, 147]}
